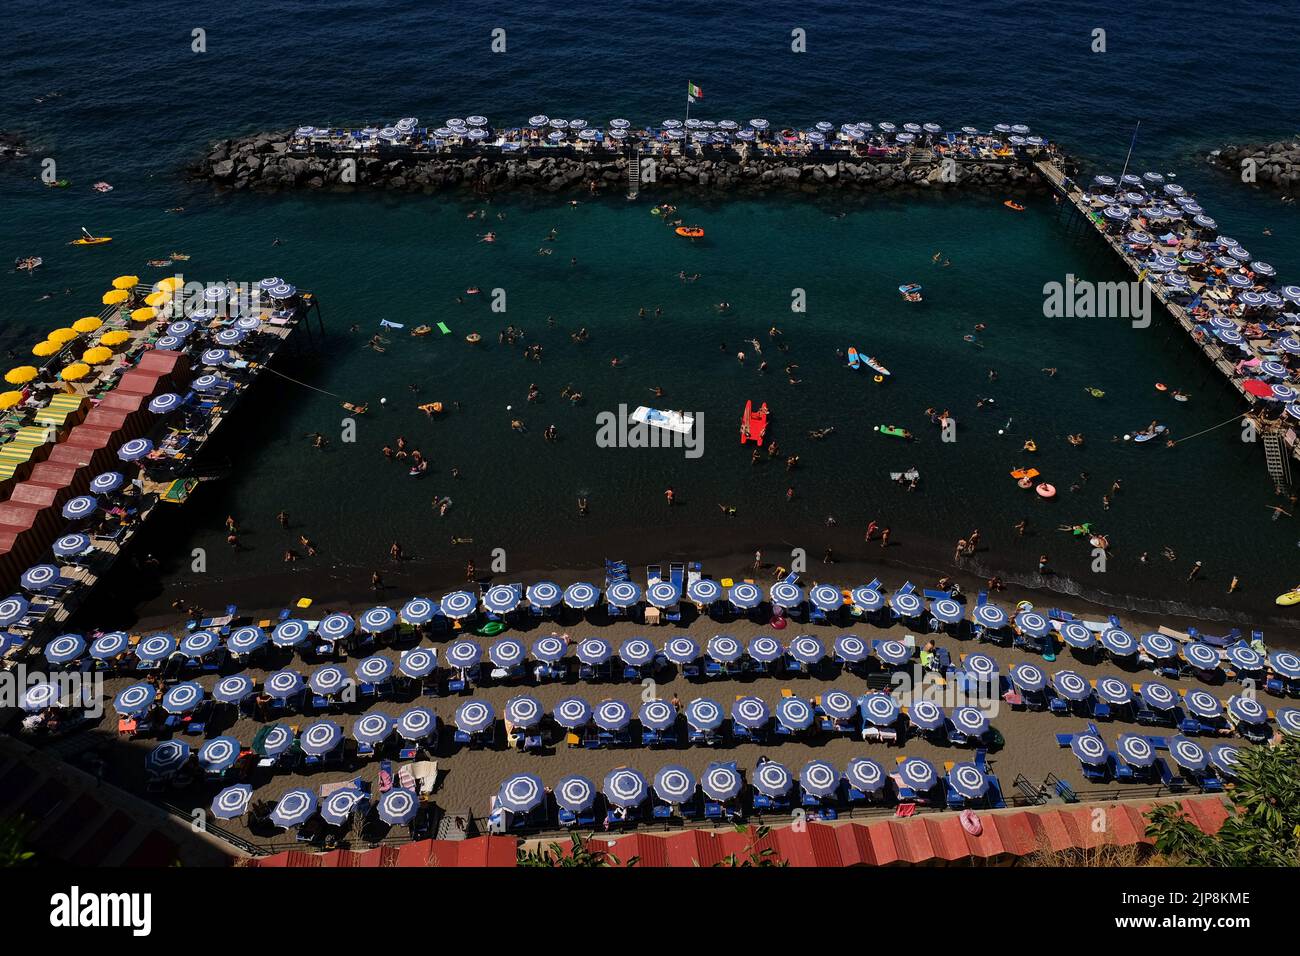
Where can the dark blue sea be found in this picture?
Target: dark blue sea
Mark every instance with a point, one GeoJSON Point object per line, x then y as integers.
{"type": "Point", "coordinates": [116, 93]}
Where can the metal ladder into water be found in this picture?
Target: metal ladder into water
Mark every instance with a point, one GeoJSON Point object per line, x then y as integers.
{"type": "Point", "coordinates": [1279, 468]}
{"type": "Point", "coordinates": [634, 174]}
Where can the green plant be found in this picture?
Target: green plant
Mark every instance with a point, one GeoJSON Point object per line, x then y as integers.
{"type": "Point", "coordinates": [13, 832]}
{"type": "Point", "coordinates": [580, 853]}
{"type": "Point", "coordinates": [751, 855]}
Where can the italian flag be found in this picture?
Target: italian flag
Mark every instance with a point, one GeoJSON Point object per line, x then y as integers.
{"type": "Point", "coordinates": [693, 92]}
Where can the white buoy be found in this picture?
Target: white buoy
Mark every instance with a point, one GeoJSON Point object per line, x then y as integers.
{"type": "Point", "coordinates": [1001, 432]}
{"type": "Point", "coordinates": [383, 401]}
{"type": "Point", "coordinates": [508, 407]}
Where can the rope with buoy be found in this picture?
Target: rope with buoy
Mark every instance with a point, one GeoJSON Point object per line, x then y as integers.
{"type": "Point", "coordinates": [287, 378]}
{"type": "Point", "coordinates": [1211, 428]}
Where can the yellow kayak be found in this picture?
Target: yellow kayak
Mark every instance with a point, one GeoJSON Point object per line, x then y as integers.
{"type": "Point", "coordinates": [1291, 597]}
{"type": "Point", "coordinates": [94, 241]}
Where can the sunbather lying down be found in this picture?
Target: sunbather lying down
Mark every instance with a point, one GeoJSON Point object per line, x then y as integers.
{"type": "Point", "coordinates": [356, 409]}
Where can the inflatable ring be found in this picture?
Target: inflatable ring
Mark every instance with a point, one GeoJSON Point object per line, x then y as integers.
{"type": "Point", "coordinates": [880, 378]}
{"type": "Point", "coordinates": [473, 338]}
{"type": "Point", "coordinates": [1046, 491]}
{"type": "Point", "coordinates": [1025, 483]}
{"type": "Point", "coordinates": [1161, 387]}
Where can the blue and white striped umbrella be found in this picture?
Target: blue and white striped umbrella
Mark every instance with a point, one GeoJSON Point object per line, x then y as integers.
{"type": "Point", "coordinates": [636, 652]}
{"type": "Point", "coordinates": [1201, 656]}
{"type": "Point", "coordinates": [206, 383]}
{"type": "Point", "coordinates": [335, 627]}
{"type": "Point", "coordinates": [674, 784]}
{"type": "Point", "coordinates": [893, 653]}
{"type": "Point", "coordinates": [377, 620]}
{"type": "Point", "coordinates": [1226, 759]}
{"type": "Point", "coordinates": [1245, 658]}
{"type": "Point", "coordinates": [1285, 393]}
{"type": "Point", "coordinates": [795, 713]}
{"type": "Point", "coordinates": [772, 779]}
{"type": "Point", "coordinates": [946, 610]}
{"type": "Point", "coordinates": [925, 714]}
{"type": "Point", "coordinates": [72, 545]}
{"type": "Point", "coordinates": [398, 806]}
{"type": "Point", "coordinates": [1077, 634]}
{"type": "Point", "coordinates": [681, 650]}
{"type": "Point", "coordinates": [475, 716]}
{"type": "Point", "coordinates": [338, 807]}
{"type": "Point", "coordinates": [233, 688]}
{"type": "Point", "coordinates": [575, 793]}
{"type": "Point", "coordinates": [39, 576]}
{"type": "Point", "coordinates": [540, 120]}
{"type": "Point", "coordinates": [1288, 721]}
{"type": "Point", "coordinates": [64, 648]}
{"type": "Point", "coordinates": [1252, 299]}
{"type": "Point", "coordinates": [373, 669]}
{"type": "Point", "coordinates": [1239, 281]}
{"type": "Point", "coordinates": [968, 780]}
{"type": "Point", "coordinates": [418, 662]}
{"type": "Point", "coordinates": [880, 709]}
{"type": "Point", "coordinates": [500, 599]}
{"type": "Point", "coordinates": [625, 788]}
{"type": "Point", "coordinates": [1033, 624]}
{"type": "Point", "coordinates": [724, 649]}
{"type": "Point", "coordinates": [907, 137]}
{"type": "Point", "coordinates": [328, 680]}
{"type": "Point", "coordinates": [169, 343]}
{"type": "Point", "coordinates": [1285, 663]}
{"type": "Point", "coordinates": [164, 403]}
{"type": "Point", "coordinates": [1118, 641]}
{"type": "Point", "coordinates": [219, 754]}
{"type": "Point", "coordinates": [419, 610]}
{"type": "Point", "coordinates": [167, 756]}
{"type": "Point", "coordinates": [82, 506]}
{"type": "Point", "coordinates": [458, 604]}
{"type": "Point", "coordinates": [612, 715]}
{"type": "Point", "coordinates": [248, 323]}
{"type": "Point", "coordinates": [372, 728]}
{"type": "Point", "coordinates": [1135, 750]}
{"type": "Point", "coordinates": [663, 594]}
{"type": "Point", "coordinates": [417, 724]}
{"type": "Point", "coordinates": [524, 711]}
{"type": "Point", "coordinates": [1247, 710]}
{"type": "Point", "coordinates": [135, 700]}
{"type": "Point", "coordinates": [42, 696]}
{"type": "Point", "coordinates": [183, 697]}
{"type": "Point", "coordinates": [1114, 691]}
{"type": "Point", "coordinates": [1193, 256]}
{"type": "Point", "coordinates": [155, 647]}
{"type": "Point", "coordinates": [1205, 222]}
{"type": "Point", "coordinates": [1176, 280]}
{"type": "Point", "coordinates": [623, 594]}
{"type": "Point", "coordinates": [758, 123]}
{"type": "Point", "coordinates": [550, 649]}
{"type": "Point", "coordinates": [868, 599]}
{"type": "Point", "coordinates": [906, 604]}
{"type": "Point", "coordinates": [918, 773]}
{"type": "Point", "coordinates": [1138, 238]}
{"type": "Point", "coordinates": [293, 808]}
{"type": "Point", "coordinates": [1159, 646]}
{"type": "Point", "coordinates": [1103, 180]}
{"type": "Point", "coordinates": [744, 596]}
{"type": "Point", "coordinates": [765, 649]}
{"type": "Point", "coordinates": [863, 773]}
{"type": "Point", "coordinates": [9, 640]}
{"type": "Point", "coordinates": [806, 649]}
{"type": "Point", "coordinates": [1273, 369]}
{"type": "Point", "coordinates": [624, 124]}
{"type": "Point", "coordinates": [704, 714]}
{"type": "Point", "coordinates": [232, 802]}
{"type": "Point", "coordinates": [284, 290]}
{"type": "Point", "coordinates": [107, 646]}
{"type": "Point", "coordinates": [283, 684]}
{"type": "Point", "coordinates": [203, 315]}
{"type": "Point", "coordinates": [1188, 754]}
{"type": "Point", "coordinates": [1028, 677]}
{"type": "Point", "coordinates": [581, 595]}
{"type": "Point", "coordinates": [200, 643]}
{"type": "Point", "coordinates": [751, 712]}
{"type": "Point", "coordinates": [1158, 696]}
{"type": "Point", "coordinates": [826, 597]}
{"type": "Point", "coordinates": [572, 713]}
{"type": "Point", "coordinates": [463, 653]}
{"type": "Point", "coordinates": [321, 737]}
{"type": "Point", "coordinates": [1291, 292]}
{"type": "Point", "coordinates": [1228, 336]}
{"type": "Point", "coordinates": [594, 651]}
{"type": "Point", "coordinates": [819, 778]}
{"type": "Point", "coordinates": [1201, 703]}
{"type": "Point", "coordinates": [544, 594]}
{"type": "Point", "coordinates": [839, 704]}
{"type": "Point", "coordinates": [106, 481]}
{"type": "Point", "coordinates": [971, 721]}
{"type": "Point", "coordinates": [249, 638]}
{"type": "Point", "coordinates": [657, 715]}
{"type": "Point", "coordinates": [1262, 268]}
{"type": "Point", "coordinates": [507, 653]}
{"type": "Point", "coordinates": [1117, 213]}
{"type": "Point", "coordinates": [1071, 686]}
{"type": "Point", "coordinates": [851, 648]}
{"type": "Point", "coordinates": [785, 594]}
{"type": "Point", "coordinates": [980, 666]}
{"type": "Point", "coordinates": [704, 591]}
{"type": "Point", "coordinates": [216, 293]}
{"type": "Point", "coordinates": [276, 740]}
{"type": "Point", "coordinates": [1090, 749]}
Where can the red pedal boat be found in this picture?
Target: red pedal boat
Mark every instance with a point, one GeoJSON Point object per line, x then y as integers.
{"type": "Point", "coordinates": [753, 424]}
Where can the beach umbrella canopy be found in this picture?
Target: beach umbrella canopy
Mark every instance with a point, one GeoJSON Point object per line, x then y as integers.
{"type": "Point", "coordinates": [612, 715]}
{"type": "Point", "coordinates": [1158, 646]}
{"type": "Point", "coordinates": [868, 599]}
{"type": "Point", "coordinates": [416, 724]}
{"type": "Point", "coordinates": [475, 716]}
{"type": "Point", "coordinates": [40, 576]}
{"type": "Point", "coordinates": [458, 604]}
{"type": "Point", "coordinates": [329, 680]}
{"type": "Point", "coordinates": [12, 610]}
{"type": "Point", "coordinates": [232, 802]}
{"type": "Point", "coordinates": [42, 696]}
{"type": "Point", "coordinates": [335, 626]}
{"type": "Point", "coordinates": [575, 793]}
{"type": "Point", "coordinates": [338, 807]}
{"type": "Point", "coordinates": [82, 506]}
{"type": "Point", "coordinates": [674, 784]}
{"type": "Point", "coordinates": [321, 737]}
{"type": "Point", "coordinates": [636, 652]}
{"type": "Point", "coordinates": [623, 594]}
{"type": "Point", "coordinates": [594, 651]}
{"type": "Point", "coordinates": [1114, 691]}
{"type": "Point", "coordinates": [283, 684]}
{"type": "Point", "coordinates": [135, 700]}
{"type": "Point", "coordinates": [1158, 696]}
{"type": "Point", "coordinates": [704, 714]}
{"type": "Point", "coordinates": [968, 780]}
{"type": "Point", "coordinates": [372, 728]}
{"type": "Point", "coordinates": [572, 713]}
{"type": "Point", "coordinates": [1201, 703]}
{"type": "Point", "coordinates": [971, 721]}
{"type": "Point", "coordinates": [417, 611]}
{"type": "Point", "coordinates": [183, 697]}
{"type": "Point", "coordinates": [765, 649]}
{"type": "Point", "coordinates": [721, 781]}
{"type": "Point", "coordinates": [250, 637]}
{"type": "Point", "coordinates": [10, 399]}
{"type": "Point", "coordinates": [744, 596]}
{"type": "Point", "coordinates": [785, 594]}
{"type": "Point", "coordinates": [772, 779]}
{"type": "Point", "coordinates": [751, 712]}
{"type": "Point", "coordinates": [1076, 634]}
{"type": "Point", "coordinates": [657, 715]}
{"type": "Point", "coordinates": [924, 714]}
{"type": "Point", "coordinates": [880, 709]}
{"type": "Point", "coordinates": [167, 757]}
{"type": "Point", "coordinates": [1247, 710]}
{"type": "Point", "coordinates": [1071, 686]}
{"type": "Point", "coordinates": [109, 645]}
{"type": "Point", "coordinates": [1288, 721]}
{"type": "Point", "coordinates": [1033, 624]}
{"type": "Point", "coordinates": [863, 773]}
{"type": "Point", "coordinates": [507, 653]}
{"type": "Point", "coordinates": [724, 648]}
{"type": "Point", "coordinates": [806, 649]}
{"type": "Point", "coordinates": [373, 669]}
{"type": "Point", "coordinates": [826, 597]}
{"type": "Point", "coordinates": [795, 713]}
{"type": "Point", "coordinates": [893, 653]}
{"type": "Point", "coordinates": [625, 787]}
{"type": "Point", "coordinates": [1119, 642]}
{"type": "Point", "coordinates": [500, 599]}
{"type": "Point", "coordinates": [838, 704]}
{"type": "Point", "coordinates": [663, 594]}
{"type": "Point", "coordinates": [1285, 663]}
{"type": "Point", "coordinates": [135, 449]}
{"type": "Point", "coordinates": [1090, 749]}
{"type": "Point", "coordinates": [293, 808]}
{"type": "Point", "coordinates": [398, 806]}
{"type": "Point", "coordinates": [681, 650]}
{"type": "Point", "coordinates": [1226, 759]}
{"type": "Point", "coordinates": [906, 604]}
{"type": "Point", "coordinates": [164, 403]}
{"type": "Point", "coordinates": [524, 711]}
{"type": "Point", "coordinates": [155, 647]}
{"type": "Point", "coordinates": [418, 662]}
{"type": "Point", "coordinates": [980, 666]}
{"type": "Point", "coordinates": [550, 649]}
{"type": "Point", "coordinates": [207, 383]}
{"type": "Point", "coordinates": [544, 594]}
{"type": "Point", "coordinates": [1188, 754]}
{"type": "Point", "coordinates": [581, 595]}
{"type": "Point", "coordinates": [219, 754]}
{"type": "Point", "coordinates": [851, 648]}
{"type": "Point", "coordinates": [946, 610]}
{"type": "Point", "coordinates": [1135, 750]}
{"type": "Point", "coordinates": [72, 545]}
{"type": "Point", "coordinates": [272, 740]}
{"type": "Point", "coordinates": [704, 591]}
{"type": "Point", "coordinates": [918, 773]}
{"type": "Point", "coordinates": [377, 620]}
{"type": "Point", "coordinates": [1201, 656]}
{"type": "Point", "coordinates": [463, 653]}
{"type": "Point", "coordinates": [233, 688]}
{"type": "Point", "coordinates": [1245, 658]}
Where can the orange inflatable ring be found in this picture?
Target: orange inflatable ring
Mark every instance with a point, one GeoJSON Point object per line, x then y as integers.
{"type": "Point", "coordinates": [690, 232]}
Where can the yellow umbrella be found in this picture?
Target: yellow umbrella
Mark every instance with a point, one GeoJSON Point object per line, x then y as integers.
{"type": "Point", "coordinates": [157, 298]}
{"type": "Point", "coordinates": [20, 375]}
{"type": "Point", "coordinates": [116, 337]}
{"type": "Point", "coordinates": [126, 282]}
{"type": "Point", "coordinates": [169, 284]}
{"type": "Point", "coordinates": [96, 356]}
{"type": "Point", "coordinates": [46, 348]}
{"type": "Point", "coordinates": [89, 324]}
{"type": "Point", "coordinates": [144, 315]}
{"type": "Point", "coordinates": [62, 335]}
{"type": "Point", "coordinates": [75, 371]}
{"type": "Point", "coordinates": [115, 297]}
{"type": "Point", "coordinates": [10, 399]}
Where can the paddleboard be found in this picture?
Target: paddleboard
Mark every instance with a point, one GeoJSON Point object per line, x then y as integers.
{"type": "Point", "coordinates": [1291, 597]}
{"type": "Point", "coordinates": [872, 363]}
{"type": "Point", "coordinates": [96, 241]}
{"type": "Point", "coordinates": [442, 327]}
{"type": "Point", "coordinates": [894, 431]}
{"type": "Point", "coordinates": [854, 361]}
{"type": "Point", "coordinates": [1160, 430]}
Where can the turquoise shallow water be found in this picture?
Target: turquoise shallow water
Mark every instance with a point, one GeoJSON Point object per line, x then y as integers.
{"type": "Point", "coordinates": [134, 120]}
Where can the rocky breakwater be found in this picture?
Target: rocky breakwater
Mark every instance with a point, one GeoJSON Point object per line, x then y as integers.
{"type": "Point", "coordinates": [266, 161]}
{"type": "Point", "coordinates": [1270, 165]}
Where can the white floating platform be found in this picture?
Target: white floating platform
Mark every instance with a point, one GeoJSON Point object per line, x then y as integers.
{"type": "Point", "coordinates": [672, 421]}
